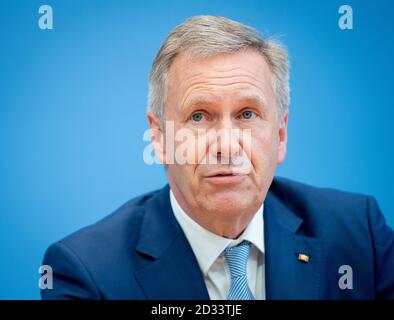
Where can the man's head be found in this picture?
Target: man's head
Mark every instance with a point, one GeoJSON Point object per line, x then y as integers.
{"type": "Point", "coordinates": [213, 74]}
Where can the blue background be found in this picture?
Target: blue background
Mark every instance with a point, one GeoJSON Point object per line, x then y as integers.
{"type": "Point", "coordinates": [73, 101]}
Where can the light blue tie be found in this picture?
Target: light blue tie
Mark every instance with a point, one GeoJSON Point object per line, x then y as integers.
{"type": "Point", "coordinates": [237, 260]}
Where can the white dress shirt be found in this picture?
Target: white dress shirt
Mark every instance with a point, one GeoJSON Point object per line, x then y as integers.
{"type": "Point", "coordinates": [208, 249]}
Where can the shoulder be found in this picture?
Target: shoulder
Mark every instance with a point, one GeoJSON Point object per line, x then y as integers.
{"type": "Point", "coordinates": [284, 187]}
{"type": "Point", "coordinates": [114, 234]}
{"type": "Point", "coordinates": [84, 262]}
{"type": "Point", "coordinates": [324, 209]}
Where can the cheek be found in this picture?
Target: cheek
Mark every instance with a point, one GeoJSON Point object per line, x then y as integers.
{"type": "Point", "coordinates": [264, 149]}
{"type": "Point", "coordinates": [185, 175]}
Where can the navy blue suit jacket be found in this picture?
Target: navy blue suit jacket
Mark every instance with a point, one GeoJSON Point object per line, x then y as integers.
{"type": "Point", "coordinates": [140, 251]}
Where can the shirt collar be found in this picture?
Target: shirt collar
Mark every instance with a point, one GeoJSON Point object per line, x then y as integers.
{"type": "Point", "coordinates": [208, 246]}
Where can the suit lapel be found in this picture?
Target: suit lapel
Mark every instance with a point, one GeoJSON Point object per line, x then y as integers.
{"type": "Point", "coordinates": [286, 276]}
{"type": "Point", "coordinates": [170, 270]}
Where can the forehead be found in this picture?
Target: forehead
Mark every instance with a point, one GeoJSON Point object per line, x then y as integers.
{"type": "Point", "coordinates": [235, 73]}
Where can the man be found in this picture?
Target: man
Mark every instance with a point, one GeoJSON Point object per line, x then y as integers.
{"type": "Point", "coordinates": [224, 227]}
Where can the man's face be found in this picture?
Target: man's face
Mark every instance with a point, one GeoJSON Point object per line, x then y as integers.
{"type": "Point", "coordinates": [222, 94]}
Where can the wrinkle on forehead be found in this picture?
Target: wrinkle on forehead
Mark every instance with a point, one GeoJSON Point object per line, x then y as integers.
{"type": "Point", "coordinates": [220, 66]}
{"type": "Point", "coordinates": [220, 75]}
{"type": "Point", "coordinates": [208, 98]}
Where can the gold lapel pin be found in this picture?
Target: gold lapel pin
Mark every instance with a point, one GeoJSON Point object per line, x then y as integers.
{"type": "Point", "coordinates": [303, 258]}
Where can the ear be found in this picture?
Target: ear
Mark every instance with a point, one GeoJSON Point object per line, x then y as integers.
{"type": "Point", "coordinates": [157, 136]}
{"type": "Point", "coordinates": [282, 148]}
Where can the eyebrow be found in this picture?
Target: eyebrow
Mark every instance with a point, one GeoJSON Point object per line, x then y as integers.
{"type": "Point", "coordinates": [206, 100]}
{"type": "Point", "coordinates": [197, 100]}
{"type": "Point", "coordinates": [256, 98]}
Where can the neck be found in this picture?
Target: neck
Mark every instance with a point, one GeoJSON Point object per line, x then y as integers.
{"type": "Point", "coordinates": [225, 226]}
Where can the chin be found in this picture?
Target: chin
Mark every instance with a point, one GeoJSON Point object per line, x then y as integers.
{"type": "Point", "coordinates": [229, 203]}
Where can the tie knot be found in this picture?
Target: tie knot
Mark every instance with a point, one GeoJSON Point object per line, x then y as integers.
{"type": "Point", "coordinates": [237, 258]}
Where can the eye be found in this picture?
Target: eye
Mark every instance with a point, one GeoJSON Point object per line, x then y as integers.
{"type": "Point", "coordinates": [247, 114]}
{"type": "Point", "coordinates": [197, 117]}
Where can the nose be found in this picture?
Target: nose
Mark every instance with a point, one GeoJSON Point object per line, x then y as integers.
{"type": "Point", "coordinates": [225, 143]}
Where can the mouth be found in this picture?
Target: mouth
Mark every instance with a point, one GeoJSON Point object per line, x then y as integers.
{"type": "Point", "coordinates": [225, 177]}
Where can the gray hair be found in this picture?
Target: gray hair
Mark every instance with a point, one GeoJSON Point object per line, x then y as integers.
{"type": "Point", "coordinates": [205, 36]}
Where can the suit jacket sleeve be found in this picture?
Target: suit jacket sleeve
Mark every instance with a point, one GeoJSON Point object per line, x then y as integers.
{"type": "Point", "coordinates": [71, 279]}
{"type": "Point", "coordinates": [383, 244]}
